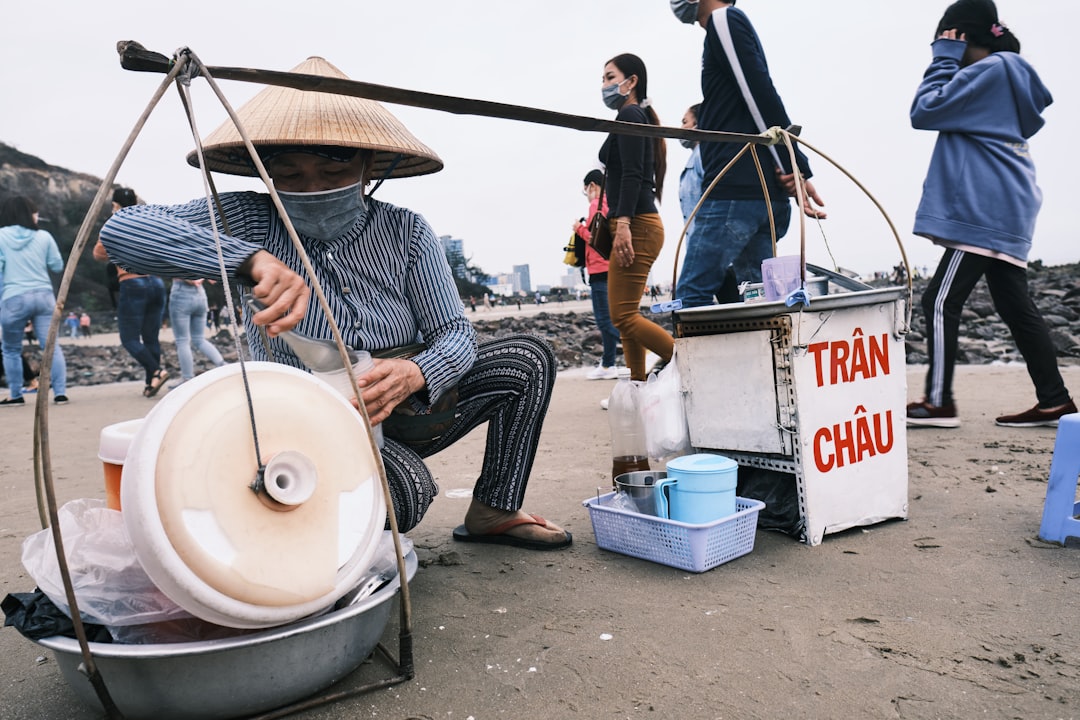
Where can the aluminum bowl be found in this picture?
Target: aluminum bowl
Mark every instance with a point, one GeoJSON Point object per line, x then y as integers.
{"type": "Point", "coordinates": [233, 677]}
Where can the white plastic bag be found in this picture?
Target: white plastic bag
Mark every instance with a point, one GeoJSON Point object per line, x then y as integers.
{"type": "Point", "coordinates": [110, 585]}
{"type": "Point", "coordinates": [663, 412]}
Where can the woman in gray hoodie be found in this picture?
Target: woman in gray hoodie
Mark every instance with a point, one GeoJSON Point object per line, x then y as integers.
{"type": "Point", "coordinates": [27, 254]}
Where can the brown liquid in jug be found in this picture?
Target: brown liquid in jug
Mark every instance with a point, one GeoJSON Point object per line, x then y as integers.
{"type": "Point", "coordinates": [626, 464]}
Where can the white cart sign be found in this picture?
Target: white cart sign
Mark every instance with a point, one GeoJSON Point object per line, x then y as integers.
{"type": "Point", "coordinates": [819, 393]}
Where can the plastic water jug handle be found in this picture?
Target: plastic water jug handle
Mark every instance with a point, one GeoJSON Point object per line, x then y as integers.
{"type": "Point", "coordinates": [660, 494]}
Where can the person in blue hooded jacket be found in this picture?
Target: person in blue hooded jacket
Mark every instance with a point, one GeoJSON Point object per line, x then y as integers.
{"type": "Point", "coordinates": [27, 254]}
{"type": "Point", "coordinates": [979, 202]}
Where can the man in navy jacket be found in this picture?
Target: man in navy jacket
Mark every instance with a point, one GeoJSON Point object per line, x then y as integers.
{"type": "Point", "coordinates": [732, 227]}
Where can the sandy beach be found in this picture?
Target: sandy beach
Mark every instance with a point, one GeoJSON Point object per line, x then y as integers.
{"type": "Point", "coordinates": [958, 612]}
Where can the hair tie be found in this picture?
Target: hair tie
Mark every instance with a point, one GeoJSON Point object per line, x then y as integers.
{"type": "Point", "coordinates": [997, 30]}
{"type": "Point", "coordinates": [645, 103]}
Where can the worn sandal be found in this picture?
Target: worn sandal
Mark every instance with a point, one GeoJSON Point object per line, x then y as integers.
{"type": "Point", "coordinates": [155, 384]}
{"type": "Point", "coordinates": [497, 535]}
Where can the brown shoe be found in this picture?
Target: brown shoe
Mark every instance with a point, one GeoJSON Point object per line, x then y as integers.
{"type": "Point", "coordinates": [1037, 416]}
{"type": "Point", "coordinates": [923, 414]}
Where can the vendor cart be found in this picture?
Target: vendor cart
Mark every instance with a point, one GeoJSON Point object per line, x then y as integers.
{"type": "Point", "coordinates": [809, 400]}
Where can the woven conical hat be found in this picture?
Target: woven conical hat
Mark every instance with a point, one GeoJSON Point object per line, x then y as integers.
{"type": "Point", "coordinates": [284, 116]}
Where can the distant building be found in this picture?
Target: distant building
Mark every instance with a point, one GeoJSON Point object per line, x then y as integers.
{"type": "Point", "coordinates": [454, 248]}
{"type": "Point", "coordinates": [524, 281]}
{"type": "Point", "coordinates": [572, 280]}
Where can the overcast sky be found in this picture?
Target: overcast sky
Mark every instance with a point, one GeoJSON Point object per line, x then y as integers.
{"type": "Point", "coordinates": [846, 69]}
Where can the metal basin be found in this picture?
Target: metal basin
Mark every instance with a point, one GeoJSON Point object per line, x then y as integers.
{"type": "Point", "coordinates": [234, 677]}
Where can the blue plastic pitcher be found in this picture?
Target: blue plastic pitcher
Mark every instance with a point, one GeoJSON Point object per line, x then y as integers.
{"type": "Point", "coordinates": [698, 489]}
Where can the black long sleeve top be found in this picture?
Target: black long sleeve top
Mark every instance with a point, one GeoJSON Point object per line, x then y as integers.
{"type": "Point", "coordinates": [630, 168]}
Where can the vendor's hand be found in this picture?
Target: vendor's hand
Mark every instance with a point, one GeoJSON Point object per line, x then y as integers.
{"type": "Point", "coordinates": [787, 181]}
{"type": "Point", "coordinates": [387, 385]}
{"type": "Point", "coordinates": [284, 294]}
{"type": "Point", "coordinates": [622, 246]}
{"type": "Point", "coordinates": [812, 202]}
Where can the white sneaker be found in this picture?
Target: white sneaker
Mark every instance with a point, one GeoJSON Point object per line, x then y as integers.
{"type": "Point", "coordinates": [604, 404]}
{"type": "Point", "coordinates": [624, 372]}
{"type": "Point", "coordinates": [602, 373]}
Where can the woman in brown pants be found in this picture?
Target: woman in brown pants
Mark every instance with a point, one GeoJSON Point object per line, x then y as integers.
{"type": "Point", "coordinates": [635, 173]}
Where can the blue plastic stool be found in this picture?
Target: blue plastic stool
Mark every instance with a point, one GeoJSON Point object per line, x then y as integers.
{"type": "Point", "coordinates": [1060, 509]}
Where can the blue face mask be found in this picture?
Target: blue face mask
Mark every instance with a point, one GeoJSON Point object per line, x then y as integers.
{"type": "Point", "coordinates": [688, 144]}
{"type": "Point", "coordinates": [685, 10]}
{"type": "Point", "coordinates": [324, 215]}
{"type": "Point", "coordinates": [612, 97]}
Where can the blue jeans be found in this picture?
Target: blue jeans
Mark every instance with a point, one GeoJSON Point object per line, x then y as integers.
{"type": "Point", "coordinates": [138, 316]}
{"type": "Point", "coordinates": [187, 314]}
{"type": "Point", "coordinates": [602, 313]}
{"type": "Point", "coordinates": [37, 307]}
{"type": "Point", "coordinates": [728, 234]}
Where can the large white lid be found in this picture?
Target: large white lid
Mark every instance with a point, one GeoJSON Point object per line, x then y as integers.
{"type": "Point", "coordinates": [216, 547]}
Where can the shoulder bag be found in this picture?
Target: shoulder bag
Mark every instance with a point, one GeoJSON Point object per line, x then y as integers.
{"type": "Point", "coordinates": [600, 231]}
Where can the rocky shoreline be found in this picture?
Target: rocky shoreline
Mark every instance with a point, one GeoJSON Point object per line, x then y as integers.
{"type": "Point", "coordinates": [984, 337]}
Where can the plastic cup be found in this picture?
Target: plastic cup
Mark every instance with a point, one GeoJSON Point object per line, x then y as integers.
{"type": "Point", "coordinates": [781, 276]}
{"type": "Point", "coordinates": [339, 380]}
{"type": "Point", "coordinates": [112, 451]}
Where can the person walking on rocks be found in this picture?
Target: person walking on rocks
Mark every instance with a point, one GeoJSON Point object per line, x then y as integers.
{"type": "Point", "coordinates": [979, 202]}
{"type": "Point", "coordinates": [693, 173]}
{"type": "Point", "coordinates": [732, 230]}
{"type": "Point", "coordinates": [72, 324]}
{"type": "Point", "coordinates": [140, 311]}
{"type": "Point", "coordinates": [187, 315]}
{"type": "Point", "coordinates": [635, 182]}
{"type": "Point", "coordinates": [27, 254]}
{"type": "Point", "coordinates": [597, 267]}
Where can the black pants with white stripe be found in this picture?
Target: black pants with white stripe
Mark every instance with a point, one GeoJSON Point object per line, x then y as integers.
{"type": "Point", "coordinates": [509, 387]}
{"type": "Point", "coordinates": [943, 301]}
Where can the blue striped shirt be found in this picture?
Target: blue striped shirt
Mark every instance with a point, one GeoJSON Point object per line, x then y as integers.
{"type": "Point", "coordinates": [386, 279]}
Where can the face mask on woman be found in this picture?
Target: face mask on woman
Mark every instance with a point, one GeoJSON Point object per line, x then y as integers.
{"type": "Point", "coordinates": [612, 97]}
{"type": "Point", "coordinates": [685, 10]}
{"type": "Point", "coordinates": [324, 215]}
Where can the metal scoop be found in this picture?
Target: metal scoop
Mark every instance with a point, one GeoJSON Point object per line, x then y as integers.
{"type": "Point", "coordinates": [318, 355]}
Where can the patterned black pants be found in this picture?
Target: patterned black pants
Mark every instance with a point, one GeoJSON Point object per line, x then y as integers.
{"type": "Point", "coordinates": [509, 387]}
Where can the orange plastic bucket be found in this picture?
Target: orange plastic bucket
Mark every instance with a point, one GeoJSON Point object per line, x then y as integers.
{"type": "Point", "coordinates": [112, 451]}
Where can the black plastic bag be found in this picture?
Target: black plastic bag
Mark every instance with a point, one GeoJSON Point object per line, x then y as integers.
{"type": "Point", "coordinates": [35, 616]}
{"type": "Point", "coordinates": [779, 493]}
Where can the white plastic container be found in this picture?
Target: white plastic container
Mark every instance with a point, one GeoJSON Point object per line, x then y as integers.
{"type": "Point", "coordinates": [221, 549]}
{"type": "Point", "coordinates": [339, 380]}
{"type": "Point", "coordinates": [112, 451]}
